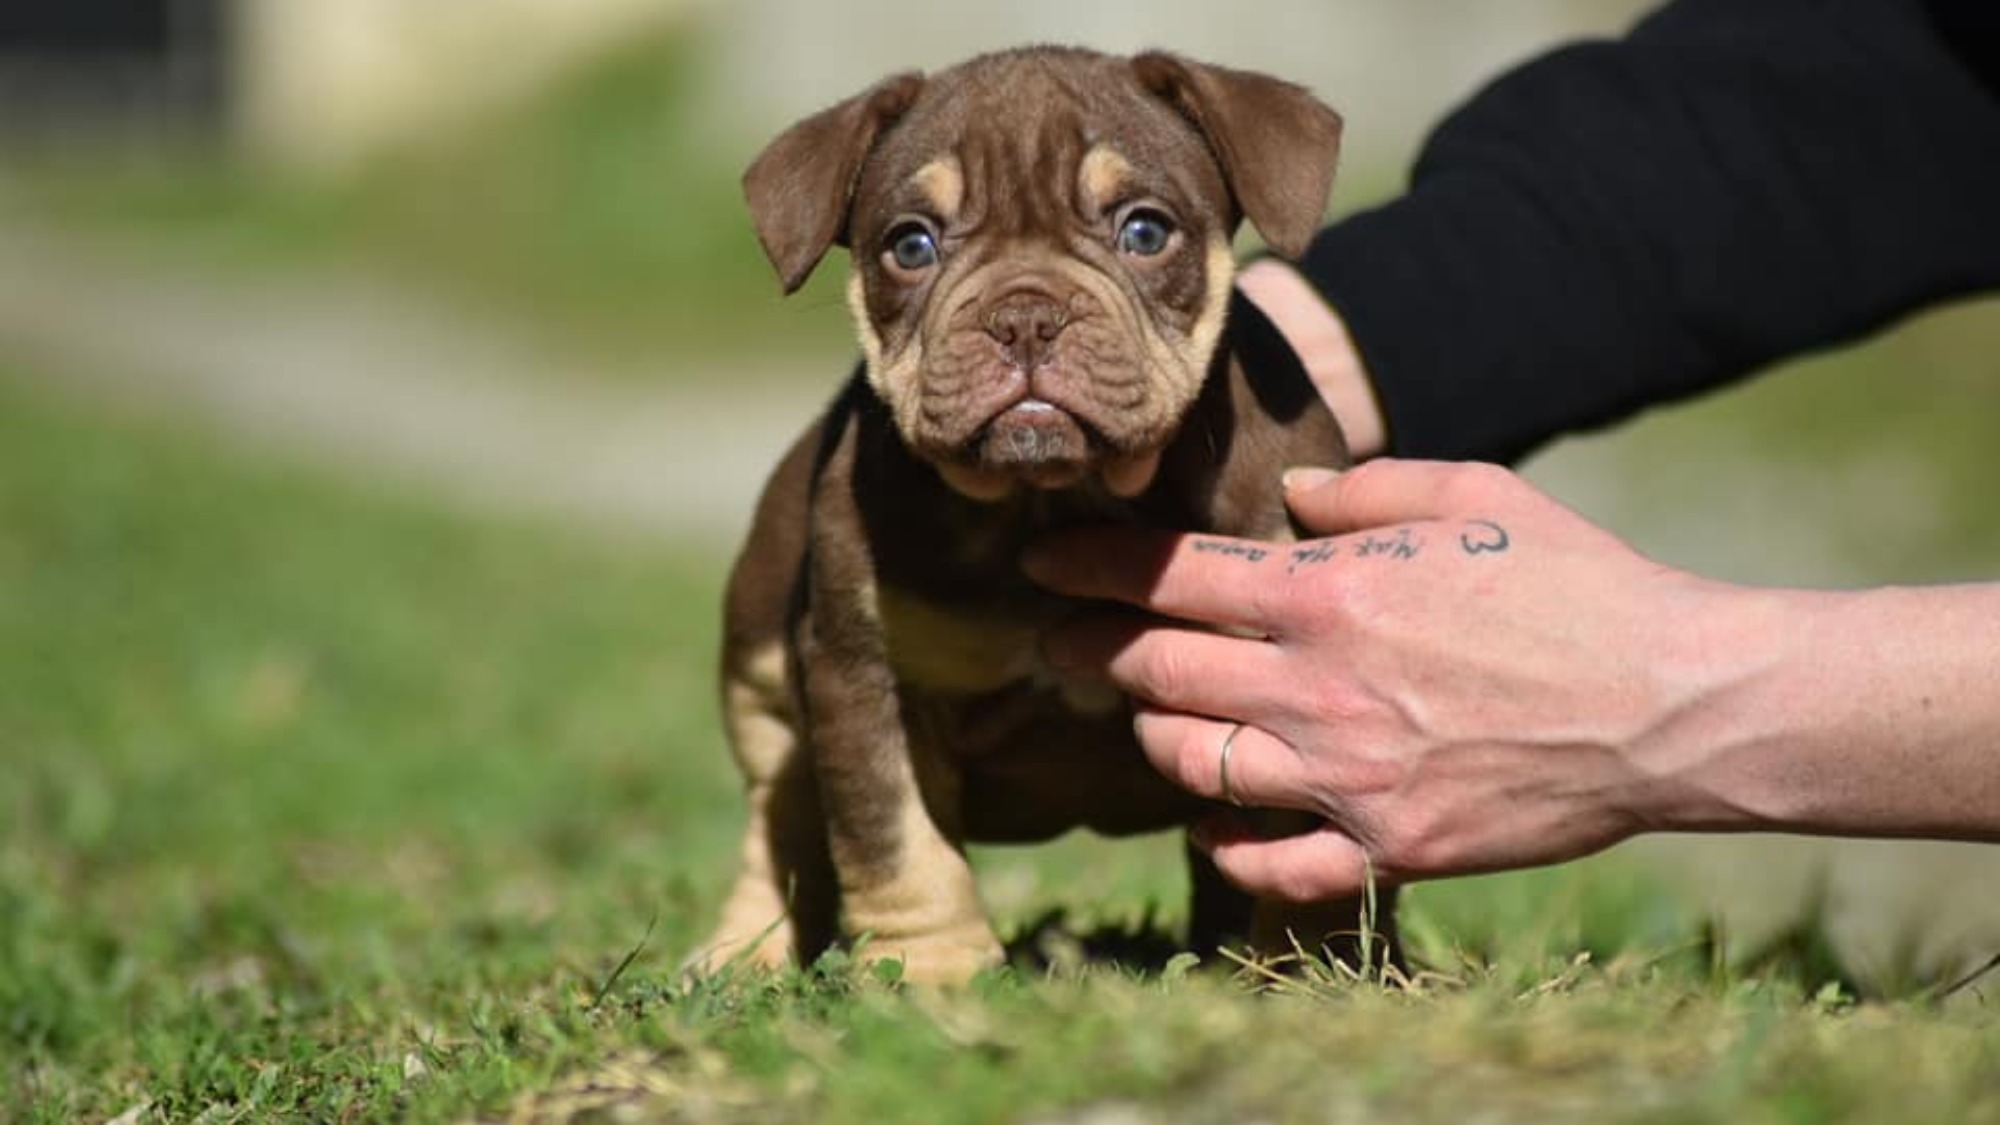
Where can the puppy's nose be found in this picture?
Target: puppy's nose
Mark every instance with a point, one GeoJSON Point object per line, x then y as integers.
{"type": "Point", "coordinates": [1026, 328]}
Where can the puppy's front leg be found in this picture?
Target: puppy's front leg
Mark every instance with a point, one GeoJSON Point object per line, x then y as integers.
{"type": "Point", "coordinates": [892, 807]}
{"type": "Point", "coordinates": [892, 803]}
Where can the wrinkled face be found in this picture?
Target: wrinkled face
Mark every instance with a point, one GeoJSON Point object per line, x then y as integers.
{"type": "Point", "coordinates": [1040, 244]}
{"type": "Point", "coordinates": [1041, 264]}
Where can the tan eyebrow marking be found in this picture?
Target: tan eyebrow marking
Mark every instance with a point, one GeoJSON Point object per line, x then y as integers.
{"type": "Point", "coordinates": [943, 183]}
{"type": "Point", "coordinates": [1102, 176]}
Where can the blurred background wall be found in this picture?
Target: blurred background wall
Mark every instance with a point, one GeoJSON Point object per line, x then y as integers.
{"type": "Point", "coordinates": [1391, 69]}
{"type": "Point", "coordinates": [323, 84]}
{"type": "Point", "coordinates": [303, 82]}
{"type": "Point", "coordinates": [112, 62]}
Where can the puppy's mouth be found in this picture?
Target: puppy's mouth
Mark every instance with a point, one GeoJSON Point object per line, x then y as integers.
{"type": "Point", "coordinates": [1038, 441]}
{"type": "Point", "coordinates": [1042, 444]}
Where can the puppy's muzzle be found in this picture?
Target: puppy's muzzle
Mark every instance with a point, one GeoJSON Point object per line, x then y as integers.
{"type": "Point", "coordinates": [1026, 429]}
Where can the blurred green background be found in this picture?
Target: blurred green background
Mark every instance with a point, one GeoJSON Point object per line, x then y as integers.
{"type": "Point", "coordinates": [380, 398]}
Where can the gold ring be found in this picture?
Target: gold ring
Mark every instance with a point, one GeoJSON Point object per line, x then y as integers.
{"type": "Point", "coordinates": [1222, 767]}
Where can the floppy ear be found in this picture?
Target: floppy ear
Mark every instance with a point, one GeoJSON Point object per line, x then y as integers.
{"type": "Point", "coordinates": [800, 186]}
{"type": "Point", "coordinates": [1276, 142]}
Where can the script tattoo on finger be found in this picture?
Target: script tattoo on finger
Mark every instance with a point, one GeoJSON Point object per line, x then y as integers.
{"type": "Point", "coordinates": [1312, 554]}
{"type": "Point", "coordinates": [1483, 537]}
{"type": "Point", "coordinates": [1401, 546]}
{"type": "Point", "coordinates": [1230, 549]}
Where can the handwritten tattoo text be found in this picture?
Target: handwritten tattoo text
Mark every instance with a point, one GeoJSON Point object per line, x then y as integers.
{"type": "Point", "coordinates": [1477, 537]}
{"type": "Point", "coordinates": [1398, 546]}
{"type": "Point", "coordinates": [1312, 554]}
{"type": "Point", "coordinates": [1231, 550]}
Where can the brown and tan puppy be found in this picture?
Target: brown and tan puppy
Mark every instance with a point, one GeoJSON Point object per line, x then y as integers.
{"type": "Point", "coordinates": [1041, 279]}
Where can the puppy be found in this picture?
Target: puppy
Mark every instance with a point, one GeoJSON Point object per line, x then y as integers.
{"type": "Point", "coordinates": [1041, 278]}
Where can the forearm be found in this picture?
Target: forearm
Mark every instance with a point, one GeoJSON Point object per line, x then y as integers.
{"type": "Point", "coordinates": [1873, 713]}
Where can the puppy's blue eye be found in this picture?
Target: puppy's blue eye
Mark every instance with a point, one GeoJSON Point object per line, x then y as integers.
{"type": "Point", "coordinates": [1145, 233]}
{"type": "Point", "coordinates": [912, 248]}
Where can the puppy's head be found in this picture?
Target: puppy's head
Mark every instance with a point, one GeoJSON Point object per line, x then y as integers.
{"type": "Point", "coordinates": [1041, 246]}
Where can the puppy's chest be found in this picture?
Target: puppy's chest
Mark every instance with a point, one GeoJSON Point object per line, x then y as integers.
{"type": "Point", "coordinates": [968, 644]}
{"type": "Point", "coordinates": [958, 618]}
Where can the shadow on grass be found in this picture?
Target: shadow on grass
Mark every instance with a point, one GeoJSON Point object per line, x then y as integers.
{"type": "Point", "coordinates": [1800, 955]}
{"type": "Point", "coordinates": [1052, 941]}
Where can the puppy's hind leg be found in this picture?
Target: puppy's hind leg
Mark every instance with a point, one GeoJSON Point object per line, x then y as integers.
{"type": "Point", "coordinates": [1219, 913]}
{"type": "Point", "coordinates": [1358, 932]}
{"type": "Point", "coordinates": [784, 903]}
{"type": "Point", "coordinates": [1355, 932]}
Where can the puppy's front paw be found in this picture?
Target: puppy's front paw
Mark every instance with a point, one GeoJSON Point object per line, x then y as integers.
{"type": "Point", "coordinates": [939, 960]}
{"type": "Point", "coordinates": [748, 942]}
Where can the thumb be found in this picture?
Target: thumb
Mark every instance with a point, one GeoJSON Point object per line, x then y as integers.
{"type": "Point", "coordinates": [1318, 865]}
{"type": "Point", "coordinates": [1386, 491]}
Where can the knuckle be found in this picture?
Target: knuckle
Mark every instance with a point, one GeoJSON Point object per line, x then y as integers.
{"type": "Point", "coordinates": [1164, 670]}
{"type": "Point", "coordinates": [1331, 609]}
{"type": "Point", "coordinates": [1339, 709]}
{"type": "Point", "coordinates": [1189, 760]}
{"type": "Point", "coordinates": [1392, 843]}
{"type": "Point", "coordinates": [1317, 599]}
{"type": "Point", "coordinates": [1416, 842]}
{"type": "Point", "coordinates": [1335, 593]}
{"type": "Point", "coordinates": [1274, 602]}
{"type": "Point", "coordinates": [1362, 479]}
{"type": "Point", "coordinates": [1477, 482]}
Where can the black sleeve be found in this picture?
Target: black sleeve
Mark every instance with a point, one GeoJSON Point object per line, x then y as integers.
{"type": "Point", "coordinates": [1625, 223]}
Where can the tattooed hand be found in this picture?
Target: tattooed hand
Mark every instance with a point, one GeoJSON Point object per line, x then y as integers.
{"type": "Point", "coordinates": [1462, 675]}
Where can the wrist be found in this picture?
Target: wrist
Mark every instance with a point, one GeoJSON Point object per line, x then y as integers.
{"type": "Point", "coordinates": [1890, 712]}
{"type": "Point", "coordinates": [1866, 713]}
{"type": "Point", "coordinates": [1724, 704]}
{"type": "Point", "coordinates": [1320, 339]}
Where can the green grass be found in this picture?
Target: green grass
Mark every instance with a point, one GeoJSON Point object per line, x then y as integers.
{"type": "Point", "coordinates": [595, 214]}
{"type": "Point", "coordinates": [323, 805]}
{"type": "Point", "coordinates": [294, 772]}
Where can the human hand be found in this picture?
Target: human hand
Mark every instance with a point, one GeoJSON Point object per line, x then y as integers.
{"type": "Point", "coordinates": [1465, 676]}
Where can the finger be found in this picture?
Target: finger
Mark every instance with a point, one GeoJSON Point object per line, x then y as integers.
{"type": "Point", "coordinates": [1319, 337]}
{"type": "Point", "coordinates": [1263, 772]}
{"type": "Point", "coordinates": [1183, 669]}
{"type": "Point", "coordinates": [1318, 865]}
{"type": "Point", "coordinates": [1386, 491]}
{"type": "Point", "coordinates": [1212, 579]}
